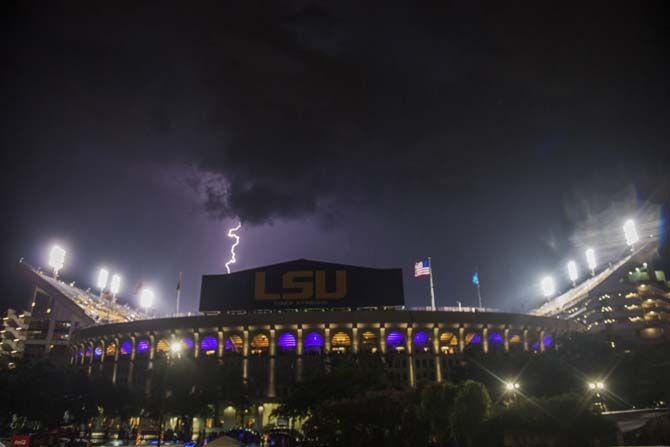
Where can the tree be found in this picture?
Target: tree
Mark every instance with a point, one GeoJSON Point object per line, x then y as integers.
{"type": "Point", "coordinates": [389, 418]}
{"type": "Point", "coordinates": [472, 407]}
{"type": "Point", "coordinates": [437, 403]}
{"type": "Point", "coordinates": [557, 420]}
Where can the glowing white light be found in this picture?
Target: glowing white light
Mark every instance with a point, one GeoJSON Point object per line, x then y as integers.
{"type": "Point", "coordinates": [630, 232]}
{"type": "Point", "coordinates": [115, 285]}
{"type": "Point", "coordinates": [175, 347]}
{"type": "Point", "coordinates": [56, 258]}
{"type": "Point", "coordinates": [146, 298]}
{"type": "Point", "coordinates": [511, 386]}
{"type": "Point", "coordinates": [548, 286]}
{"type": "Point", "coordinates": [572, 271]}
{"type": "Point", "coordinates": [231, 234]}
{"type": "Point", "coordinates": [103, 275]}
{"type": "Point", "coordinates": [591, 258]}
{"type": "Point", "coordinates": [600, 385]}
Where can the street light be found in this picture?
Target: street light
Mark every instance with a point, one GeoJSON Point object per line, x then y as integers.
{"type": "Point", "coordinates": [596, 385]}
{"type": "Point", "coordinates": [630, 232]}
{"type": "Point", "coordinates": [548, 286]}
{"type": "Point", "coordinates": [591, 260]}
{"type": "Point", "coordinates": [115, 286]}
{"type": "Point", "coordinates": [103, 275]}
{"type": "Point", "coordinates": [572, 272]}
{"type": "Point", "coordinates": [175, 347]}
{"type": "Point", "coordinates": [512, 386]}
{"type": "Point", "coordinates": [146, 298]}
{"type": "Point", "coordinates": [56, 259]}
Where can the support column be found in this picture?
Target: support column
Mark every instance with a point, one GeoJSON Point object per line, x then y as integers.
{"type": "Point", "coordinates": [245, 354]}
{"type": "Point", "coordinates": [410, 357]}
{"type": "Point", "coordinates": [103, 346]}
{"type": "Point", "coordinates": [92, 346]}
{"type": "Point", "coordinates": [117, 343]}
{"type": "Point", "coordinates": [354, 341]}
{"type": "Point", "coordinates": [436, 354]}
{"type": "Point", "coordinates": [152, 346]}
{"type": "Point", "coordinates": [554, 339]}
{"type": "Point", "coordinates": [299, 349]}
{"type": "Point", "coordinates": [506, 339]}
{"type": "Point", "coordinates": [382, 339]}
{"type": "Point", "coordinates": [271, 373]}
{"type": "Point", "coordinates": [131, 365]}
{"type": "Point", "coordinates": [485, 339]}
{"type": "Point", "coordinates": [326, 344]}
{"type": "Point", "coordinates": [541, 340]}
{"type": "Point", "coordinates": [461, 339]}
{"type": "Point", "coordinates": [525, 339]}
{"type": "Point", "coordinates": [196, 344]}
{"type": "Point", "coordinates": [222, 343]}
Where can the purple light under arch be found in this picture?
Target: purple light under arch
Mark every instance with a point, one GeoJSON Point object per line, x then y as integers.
{"type": "Point", "coordinates": [89, 351]}
{"type": "Point", "coordinates": [286, 342]}
{"type": "Point", "coordinates": [97, 352]}
{"type": "Point", "coordinates": [394, 339]}
{"type": "Point", "coordinates": [209, 343]}
{"type": "Point", "coordinates": [313, 341]}
{"type": "Point", "coordinates": [126, 347]}
{"type": "Point", "coordinates": [548, 341]}
{"type": "Point", "coordinates": [187, 342]}
{"type": "Point", "coordinates": [421, 338]}
{"type": "Point", "coordinates": [495, 338]}
{"type": "Point", "coordinates": [142, 346]}
{"type": "Point", "coordinates": [476, 339]}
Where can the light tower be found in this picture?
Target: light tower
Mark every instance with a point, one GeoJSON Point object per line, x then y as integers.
{"type": "Point", "coordinates": [630, 232]}
{"type": "Point", "coordinates": [146, 299]}
{"type": "Point", "coordinates": [103, 275]}
{"type": "Point", "coordinates": [56, 259]}
{"type": "Point", "coordinates": [591, 260]}
{"type": "Point", "coordinates": [572, 272]}
{"type": "Point", "coordinates": [115, 286]}
{"type": "Point", "coordinates": [548, 286]}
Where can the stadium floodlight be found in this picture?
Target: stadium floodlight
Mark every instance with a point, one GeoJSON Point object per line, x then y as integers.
{"type": "Point", "coordinates": [591, 260]}
{"type": "Point", "coordinates": [56, 259]}
{"type": "Point", "coordinates": [146, 298]}
{"type": "Point", "coordinates": [573, 274]}
{"type": "Point", "coordinates": [630, 232]}
{"type": "Point", "coordinates": [548, 286]}
{"type": "Point", "coordinates": [103, 275]}
{"type": "Point", "coordinates": [115, 286]}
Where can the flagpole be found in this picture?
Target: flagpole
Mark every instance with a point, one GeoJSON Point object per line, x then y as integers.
{"type": "Point", "coordinates": [432, 288]}
{"type": "Point", "coordinates": [178, 292]}
{"type": "Point", "coordinates": [479, 295]}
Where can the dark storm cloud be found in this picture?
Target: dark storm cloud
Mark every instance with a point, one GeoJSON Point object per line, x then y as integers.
{"type": "Point", "coordinates": [352, 102]}
{"type": "Point", "coordinates": [474, 122]}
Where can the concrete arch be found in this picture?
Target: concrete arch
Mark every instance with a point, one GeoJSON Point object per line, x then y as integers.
{"type": "Point", "coordinates": [341, 341]}
{"type": "Point", "coordinates": [260, 344]}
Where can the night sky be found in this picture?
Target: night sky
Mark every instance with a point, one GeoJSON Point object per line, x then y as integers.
{"type": "Point", "coordinates": [493, 135]}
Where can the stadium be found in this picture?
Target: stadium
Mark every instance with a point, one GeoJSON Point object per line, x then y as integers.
{"type": "Point", "coordinates": [269, 327]}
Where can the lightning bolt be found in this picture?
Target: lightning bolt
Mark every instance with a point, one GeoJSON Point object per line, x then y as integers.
{"type": "Point", "coordinates": [232, 235]}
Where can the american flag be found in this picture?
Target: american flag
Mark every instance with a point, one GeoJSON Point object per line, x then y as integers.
{"type": "Point", "coordinates": [422, 268]}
